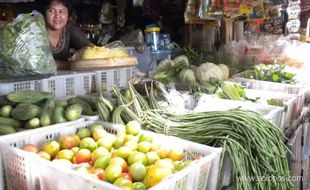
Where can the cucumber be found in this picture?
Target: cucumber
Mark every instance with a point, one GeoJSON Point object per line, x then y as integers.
{"type": "Point", "coordinates": [47, 113]}
{"type": "Point", "coordinates": [29, 96]}
{"type": "Point", "coordinates": [59, 114]}
{"type": "Point", "coordinates": [10, 122]}
{"type": "Point", "coordinates": [25, 112]}
{"type": "Point", "coordinates": [6, 129]}
{"type": "Point", "coordinates": [62, 103]}
{"type": "Point", "coordinates": [87, 109]}
{"type": "Point", "coordinates": [4, 101]}
{"type": "Point", "coordinates": [6, 110]}
{"type": "Point", "coordinates": [33, 123]}
{"type": "Point", "coordinates": [73, 112]}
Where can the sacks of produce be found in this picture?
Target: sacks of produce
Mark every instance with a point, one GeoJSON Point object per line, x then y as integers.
{"type": "Point", "coordinates": [24, 47]}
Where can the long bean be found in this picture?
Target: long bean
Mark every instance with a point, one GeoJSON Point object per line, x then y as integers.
{"type": "Point", "coordinates": [254, 144]}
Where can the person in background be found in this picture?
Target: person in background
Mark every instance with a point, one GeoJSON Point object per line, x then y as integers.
{"type": "Point", "coordinates": [62, 35]}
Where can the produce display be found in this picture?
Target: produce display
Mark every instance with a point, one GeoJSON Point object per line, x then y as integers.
{"type": "Point", "coordinates": [180, 70]}
{"type": "Point", "coordinates": [273, 73]}
{"type": "Point", "coordinates": [234, 130]}
{"type": "Point", "coordinates": [129, 159]}
{"type": "Point", "coordinates": [22, 110]}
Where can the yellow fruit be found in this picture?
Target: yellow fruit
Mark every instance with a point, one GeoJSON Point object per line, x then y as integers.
{"type": "Point", "coordinates": [52, 148]}
{"type": "Point", "coordinates": [155, 174]}
{"type": "Point", "coordinates": [176, 154]}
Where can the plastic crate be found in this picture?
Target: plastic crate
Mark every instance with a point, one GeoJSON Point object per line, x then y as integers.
{"type": "Point", "coordinates": [7, 87]}
{"type": "Point", "coordinates": [210, 103]}
{"type": "Point", "coordinates": [290, 102]}
{"type": "Point", "coordinates": [68, 83]}
{"type": "Point", "coordinates": [297, 90]}
{"type": "Point", "coordinates": [106, 79]}
{"type": "Point", "coordinates": [39, 173]}
{"type": "Point", "coordinates": [17, 163]}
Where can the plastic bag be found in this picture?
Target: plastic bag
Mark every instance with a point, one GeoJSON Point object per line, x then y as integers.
{"type": "Point", "coordinates": [24, 47]}
{"type": "Point", "coordinates": [134, 39]}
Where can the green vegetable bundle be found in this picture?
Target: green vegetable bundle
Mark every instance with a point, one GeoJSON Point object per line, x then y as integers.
{"type": "Point", "coordinates": [24, 47]}
{"type": "Point", "coordinates": [254, 144]}
{"type": "Point", "coordinates": [273, 73]}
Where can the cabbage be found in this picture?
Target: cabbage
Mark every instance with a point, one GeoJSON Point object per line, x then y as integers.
{"type": "Point", "coordinates": [225, 71]}
{"type": "Point", "coordinates": [208, 70]}
{"type": "Point", "coordinates": [187, 76]}
{"type": "Point", "coordinates": [165, 65]}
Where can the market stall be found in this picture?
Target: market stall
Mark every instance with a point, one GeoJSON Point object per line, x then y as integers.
{"type": "Point", "coordinates": [229, 109]}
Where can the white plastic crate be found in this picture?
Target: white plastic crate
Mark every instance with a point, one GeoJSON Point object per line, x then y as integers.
{"type": "Point", "coordinates": [106, 79]}
{"type": "Point", "coordinates": [201, 174]}
{"type": "Point", "coordinates": [290, 102]}
{"type": "Point", "coordinates": [210, 103]}
{"type": "Point", "coordinates": [69, 83]}
{"type": "Point", "coordinates": [297, 90]}
{"type": "Point", "coordinates": [21, 166]}
{"type": "Point", "coordinates": [7, 87]}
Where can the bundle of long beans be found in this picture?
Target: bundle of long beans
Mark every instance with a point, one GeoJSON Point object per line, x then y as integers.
{"type": "Point", "coordinates": [254, 144]}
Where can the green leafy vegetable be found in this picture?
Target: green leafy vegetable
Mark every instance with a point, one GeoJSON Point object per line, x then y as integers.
{"type": "Point", "coordinates": [24, 47]}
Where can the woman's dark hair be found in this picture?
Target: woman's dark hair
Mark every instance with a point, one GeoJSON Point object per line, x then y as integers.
{"type": "Point", "coordinates": [46, 3]}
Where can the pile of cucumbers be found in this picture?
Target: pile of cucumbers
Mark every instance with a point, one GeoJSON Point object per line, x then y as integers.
{"type": "Point", "coordinates": [27, 109]}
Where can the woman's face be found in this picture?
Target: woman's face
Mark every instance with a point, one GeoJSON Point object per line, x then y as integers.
{"type": "Point", "coordinates": [56, 16]}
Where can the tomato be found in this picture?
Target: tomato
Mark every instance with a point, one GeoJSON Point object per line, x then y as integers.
{"type": "Point", "coordinates": [151, 157]}
{"type": "Point", "coordinates": [112, 172]}
{"type": "Point", "coordinates": [146, 138]}
{"type": "Point", "coordinates": [88, 143]}
{"type": "Point", "coordinates": [137, 171]}
{"type": "Point", "coordinates": [144, 146]}
{"type": "Point", "coordinates": [52, 148]}
{"type": "Point", "coordinates": [30, 148]}
{"type": "Point", "coordinates": [119, 141]}
{"type": "Point", "coordinates": [137, 157]}
{"type": "Point", "coordinates": [83, 133]}
{"type": "Point", "coordinates": [176, 154]}
{"type": "Point", "coordinates": [139, 186]}
{"type": "Point", "coordinates": [77, 139]}
{"type": "Point", "coordinates": [100, 151]}
{"type": "Point", "coordinates": [83, 155]}
{"type": "Point", "coordinates": [162, 152]}
{"type": "Point", "coordinates": [133, 128]}
{"type": "Point", "coordinates": [131, 138]}
{"type": "Point", "coordinates": [123, 152]}
{"type": "Point", "coordinates": [65, 154]}
{"type": "Point", "coordinates": [99, 172]}
{"type": "Point", "coordinates": [165, 163]}
{"type": "Point", "coordinates": [132, 144]}
{"type": "Point", "coordinates": [155, 174]}
{"type": "Point", "coordinates": [105, 142]}
{"type": "Point", "coordinates": [95, 126]}
{"type": "Point", "coordinates": [127, 176]}
{"type": "Point", "coordinates": [102, 161]}
{"type": "Point", "coordinates": [67, 142]}
{"type": "Point", "coordinates": [120, 162]}
{"type": "Point", "coordinates": [98, 133]}
{"type": "Point", "coordinates": [44, 155]}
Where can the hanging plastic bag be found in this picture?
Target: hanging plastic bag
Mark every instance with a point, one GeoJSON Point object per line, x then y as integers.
{"type": "Point", "coordinates": [24, 47]}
